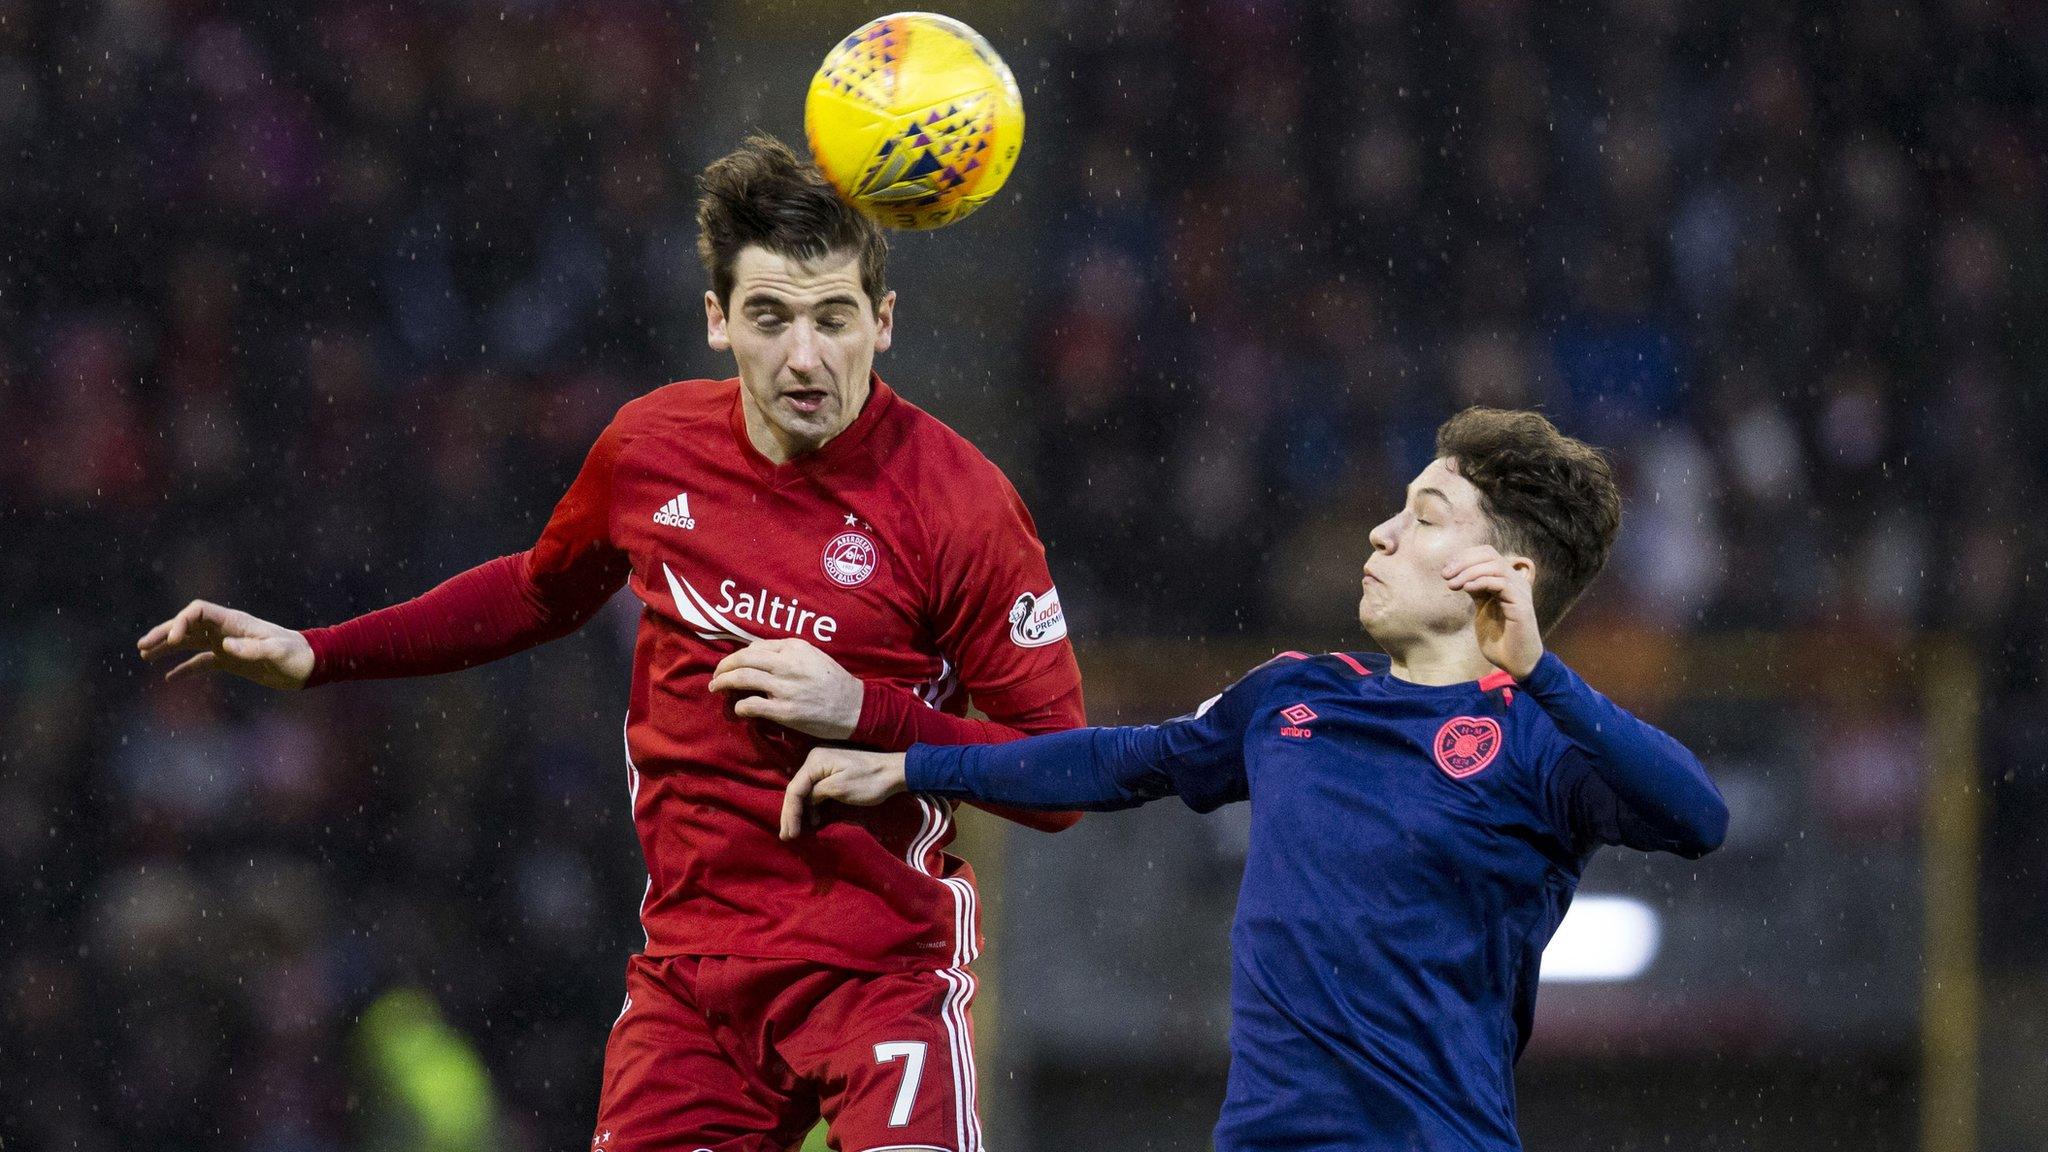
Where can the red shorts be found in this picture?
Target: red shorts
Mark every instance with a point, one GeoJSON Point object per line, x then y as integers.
{"type": "Point", "coordinates": [725, 1054]}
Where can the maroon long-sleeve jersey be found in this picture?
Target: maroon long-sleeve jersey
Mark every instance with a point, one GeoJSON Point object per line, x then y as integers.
{"type": "Point", "coordinates": [897, 549]}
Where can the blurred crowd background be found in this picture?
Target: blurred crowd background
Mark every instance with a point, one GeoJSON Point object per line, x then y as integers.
{"type": "Point", "coordinates": [304, 308]}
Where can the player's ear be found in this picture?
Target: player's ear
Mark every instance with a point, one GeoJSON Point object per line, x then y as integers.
{"type": "Point", "coordinates": [885, 322]}
{"type": "Point", "coordinates": [1524, 566]}
{"type": "Point", "coordinates": [714, 324]}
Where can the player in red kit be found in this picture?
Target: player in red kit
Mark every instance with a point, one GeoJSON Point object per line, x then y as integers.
{"type": "Point", "coordinates": [818, 560]}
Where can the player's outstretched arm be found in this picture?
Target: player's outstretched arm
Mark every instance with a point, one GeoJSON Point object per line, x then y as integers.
{"type": "Point", "coordinates": [492, 610]}
{"type": "Point", "coordinates": [794, 684]}
{"type": "Point", "coordinates": [1098, 769]}
{"type": "Point", "coordinates": [1197, 757]}
{"type": "Point", "coordinates": [230, 641]}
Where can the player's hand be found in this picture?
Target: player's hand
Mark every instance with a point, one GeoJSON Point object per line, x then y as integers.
{"type": "Point", "coordinates": [795, 685]}
{"type": "Point", "coordinates": [230, 641]}
{"type": "Point", "coordinates": [1504, 591]}
{"type": "Point", "coordinates": [842, 774]}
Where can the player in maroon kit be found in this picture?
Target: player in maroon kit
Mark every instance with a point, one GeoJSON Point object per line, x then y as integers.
{"type": "Point", "coordinates": [817, 560]}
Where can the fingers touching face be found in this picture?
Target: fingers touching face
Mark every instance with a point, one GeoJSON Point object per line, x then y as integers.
{"type": "Point", "coordinates": [1405, 585]}
{"type": "Point", "coordinates": [1485, 569]}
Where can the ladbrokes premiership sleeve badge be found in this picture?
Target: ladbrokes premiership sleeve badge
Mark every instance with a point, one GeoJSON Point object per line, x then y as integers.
{"type": "Point", "coordinates": [1036, 619]}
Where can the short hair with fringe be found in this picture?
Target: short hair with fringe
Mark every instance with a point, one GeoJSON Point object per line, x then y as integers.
{"type": "Point", "coordinates": [764, 194]}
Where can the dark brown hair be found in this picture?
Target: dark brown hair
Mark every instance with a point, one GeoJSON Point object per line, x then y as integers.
{"type": "Point", "coordinates": [1550, 497]}
{"type": "Point", "coordinates": [765, 194]}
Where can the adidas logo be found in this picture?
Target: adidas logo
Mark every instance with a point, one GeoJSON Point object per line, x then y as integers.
{"type": "Point", "coordinates": [676, 513]}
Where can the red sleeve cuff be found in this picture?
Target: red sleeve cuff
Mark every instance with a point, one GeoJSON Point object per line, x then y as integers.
{"type": "Point", "coordinates": [318, 640]}
{"type": "Point", "coordinates": [894, 718]}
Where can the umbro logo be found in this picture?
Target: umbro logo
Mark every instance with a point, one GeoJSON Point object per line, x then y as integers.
{"type": "Point", "coordinates": [676, 513]}
{"type": "Point", "coordinates": [1297, 718]}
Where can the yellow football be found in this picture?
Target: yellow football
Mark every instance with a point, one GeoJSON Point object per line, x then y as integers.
{"type": "Point", "coordinates": [915, 119]}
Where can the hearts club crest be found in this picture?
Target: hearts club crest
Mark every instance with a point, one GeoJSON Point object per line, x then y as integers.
{"type": "Point", "coordinates": [1466, 744]}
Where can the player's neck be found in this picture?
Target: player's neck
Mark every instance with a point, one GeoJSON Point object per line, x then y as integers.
{"type": "Point", "coordinates": [1439, 660]}
{"type": "Point", "coordinates": [769, 441]}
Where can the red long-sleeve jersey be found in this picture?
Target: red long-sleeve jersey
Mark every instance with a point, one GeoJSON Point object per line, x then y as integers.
{"type": "Point", "coordinates": [897, 549]}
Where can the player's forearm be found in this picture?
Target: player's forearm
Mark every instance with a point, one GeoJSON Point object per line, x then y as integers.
{"type": "Point", "coordinates": [893, 719]}
{"type": "Point", "coordinates": [488, 612]}
{"type": "Point", "coordinates": [1094, 769]}
{"type": "Point", "coordinates": [1662, 782]}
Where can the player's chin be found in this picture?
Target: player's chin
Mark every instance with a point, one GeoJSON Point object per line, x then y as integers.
{"type": "Point", "coordinates": [1370, 609]}
{"type": "Point", "coordinates": [1374, 602]}
{"type": "Point", "coordinates": [818, 424]}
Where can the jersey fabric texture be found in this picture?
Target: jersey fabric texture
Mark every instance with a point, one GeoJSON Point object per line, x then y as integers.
{"type": "Point", "coordinates": [897, 549]}
{"type": "Point", "coordinates": [1413, 848]}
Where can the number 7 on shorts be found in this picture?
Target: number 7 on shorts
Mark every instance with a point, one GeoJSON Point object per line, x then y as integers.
{"type": "Point", "coordinates": [911, 1052]}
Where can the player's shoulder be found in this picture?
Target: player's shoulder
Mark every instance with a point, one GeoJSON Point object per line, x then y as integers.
{"type": "Point", "coordinates": [921, 444]}
{"type": "Point", "coordinates": [955, 490]}
{"type": "Point", "coordinates": [1342, 670]}
{"type": "Point", "coordinates": [683, 401]}
{"type": "Point", "coordinates": [1530, 736]}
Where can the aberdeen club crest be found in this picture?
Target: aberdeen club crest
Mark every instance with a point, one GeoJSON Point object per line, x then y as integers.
{"type": "Point", "coordinates": [850, 559]}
